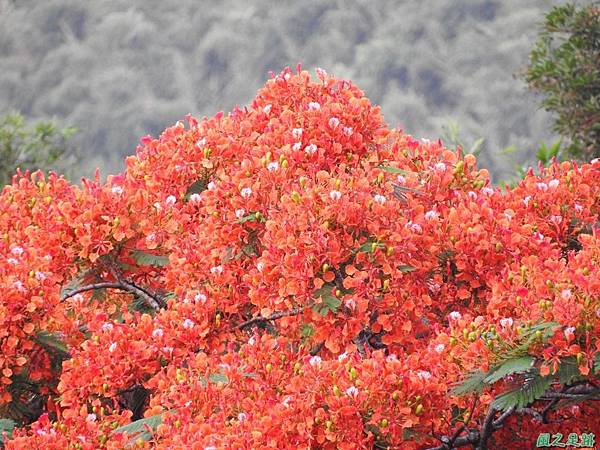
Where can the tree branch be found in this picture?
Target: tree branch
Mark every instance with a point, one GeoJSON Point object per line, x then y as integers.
{"type": "Point", "coordinates": [132, 288]}
{"type": "Point", "coordinates": [533, 413]}
{"type": "Point", "coordinates": [92, 287]}
{"type": "Point", "coordinates": [274, 316]}
{"type": "Point", "coordinates": [474, 437]}
{"type": "Point", "coordinates": [120, 284]}
{"type": "Point", "coordinates": [577, 392]}
{"type": "Point", "coordinates": [487, 429]}
{"type": "Point", "coordinates": [479, 438]}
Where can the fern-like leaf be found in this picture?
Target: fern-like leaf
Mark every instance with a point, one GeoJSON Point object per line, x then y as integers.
{"type": "Point", "coordinates": [515, 365]}
{"type": "Point", "coordinates": [6, 426]}
{"type": "Point", "coordinates": [52, 342]}
{"type": "Point", "coordinates": [568, 371]}
{"type": "Point", "coordinates": [140, 429]}
{"type": "Point", "coordinates": [473, 382]}
{"type": "Point", "coordinates": [393, 170]}
{"type": "Point", "coordinates": [534, 386]}
{"type": "Point", "coordinates": [527, 338]}
{"type": "Point", "coordinates": [148, 259]}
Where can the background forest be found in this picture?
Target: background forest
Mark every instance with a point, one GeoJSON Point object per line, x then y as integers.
{"type": "Point", "coordinates": [119, 70]}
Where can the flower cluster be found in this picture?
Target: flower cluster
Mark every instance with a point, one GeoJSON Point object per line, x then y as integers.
{"type": "Point", "coordinates": [295, 274]}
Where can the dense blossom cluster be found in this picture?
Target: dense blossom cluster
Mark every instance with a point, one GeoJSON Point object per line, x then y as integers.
{"type": "Point", "coordinates": [292, 275]}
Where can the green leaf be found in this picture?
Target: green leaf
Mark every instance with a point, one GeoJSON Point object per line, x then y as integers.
{"type": "Point", "coordinates": [6, 426]}
{"type": "Point", "coordinates": [196, 188]}
{"type": "Point", "coordinates": [169, 296]}
{"type": "Point", "coordinates": [476, 147]}
{"type": "Point", "coordinates": [393, 170]}
{"type": "Point", "coordinates": [218, 378]}
{"type": "Point", "coordinates": [526, 338]}
{"type": "Point", "coordinates": [568, 371]}
{"type": "Point", "coordinates": [473, 382]}
{"type": "Point", "coordinates": [534, 386]}
{"type": "Point", "coordinates": [138, 304]}
{"type": "Point", "coordinates": [407, 189]}
{"type": "Point", "coordinates": [250, 250]}
{"type": "Point", "coordinates": [307, 330]}
{"type": "Point", "coordinates": [329, 301]}
{"type": "Point", "coordinates": [252, 217]}
{"type": "Point", "coordinates": [509, 150]}
{"type": "Point", "coordinates": [52, 342]}
{"type": "Point", "coordinates": [406, 268]}
{"type": "Point", "coordinates": [368, 247]}
{"type": "Point", "coordinates": [215, 378]}
{"type": "Point", "coordinates": [516, 365]}
{"type": "Point", "coordinates": [148, 259]}
{"type": "Point", "coordinates": [597, 364]}
{"type": "Point", "coordinates": [228, 255]}
{"type": "Point", "coordinates": [141, 429]}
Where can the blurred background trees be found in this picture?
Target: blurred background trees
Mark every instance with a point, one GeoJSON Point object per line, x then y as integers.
{"type": "Point", "coordinates": [42, 146]}
{"type": "Point", "coordinates": [565, 68]}
{"type": "Point", "coordinates": [121, 70]}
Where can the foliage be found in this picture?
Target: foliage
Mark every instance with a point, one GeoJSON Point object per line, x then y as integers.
{"type": "Point", "coordinates": [453, 139]}
{"type": "Point", "coordinates": [38, 147]}
{"type": "Point", "coordinates": [565, 68]}
{"type": "Point", "coordinates": [326, 286]}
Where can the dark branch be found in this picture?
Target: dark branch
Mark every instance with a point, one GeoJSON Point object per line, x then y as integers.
{"type": "Point", "coordinates": [578, 392]}
{"type": "Point", "coordinates": [505, 415]}
{"type": "Point", "coordinates": [274, 316]}
{"type": "Point", "coordinates": [317, 349]}
{"type": "Point", "coordinates": [532, 412]}
{"type": "Point", "coordinates": [488, 428]}
{"type": "Point", "coordinates": [148, 299]}
{"type": "Point", "coordinates": [121, 284]}
{"type": "Point", "coordinates": [92, 287]}
{"type": "Point", "coordinates": [132, 288]}
{"type": "Point", "coordinates": [476, 437]}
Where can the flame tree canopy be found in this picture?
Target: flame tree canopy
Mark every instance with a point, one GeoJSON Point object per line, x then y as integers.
{"type": "Point", "coordinates": [296, 274]}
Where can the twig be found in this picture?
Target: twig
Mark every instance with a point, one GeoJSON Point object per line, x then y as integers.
{"type": "Point", "coordinates": [274, 316]}
{"type": "Point", "coordinates": [317, 349]}
{"type": "Point", "coordinates": [92, 287]}
{"type": "Point", "coordinates": [464, 426]}
{"type": "Point", "coordinates": [547, 409]}
{"type": "Point", "coordinates": [575, 393]}
{"type": "Point", "coordinates": [472, 437]}
{"type": "Point", "coordinates": [532, 412]}
{"type": "Point", "coordinates": [505, 415]}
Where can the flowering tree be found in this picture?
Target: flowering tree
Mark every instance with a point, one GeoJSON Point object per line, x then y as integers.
{"type": "Point", "coordinates": [565, 67]}
{"type": "Point", "coordinates": [298, 275]}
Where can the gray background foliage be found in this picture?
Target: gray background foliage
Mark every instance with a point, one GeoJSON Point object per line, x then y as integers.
{"type": "Point", "coordinates": [119, 70]}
